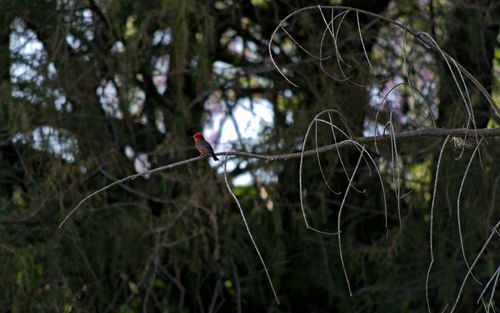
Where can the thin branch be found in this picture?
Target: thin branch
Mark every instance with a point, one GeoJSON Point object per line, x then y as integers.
{"type": "Point", "coordinates": [319, 160]}
{"type": "Point", "coordinates": [338, 56]}
{"type": "Point", "coordinates": [314, 122]}
{"type": "Point", "coordinates": [490, 237]}
{"type": "Point", "coordinates": [423, 38]}
{"type": "Point", "coordinates": [460, 235]}
{"type": "Point", "coordinates": [131, 177]}
{"type": "Point", "coordinates": [431, 247]}
{"type": "Point", "coordinates": [339, 231]}
{"type": "Point", "coordinates": [327, 57]}
{"type": "Point", "coordinates": [248, 230]}
{"type": "Point", "coordinates": [419, 133]}
{"type": "Point", "coordinates": [375, 131]}
{"type": "Point", "coordinates": [493, 289]}
{"type": "Point", "coordinates": [493, 277]}
{"type": "Point", "coordinates": [347, 135]}
{"type": "Point", "coordinates": [363, 43]}
{"type": "Point", "coordinates": [396, 175]}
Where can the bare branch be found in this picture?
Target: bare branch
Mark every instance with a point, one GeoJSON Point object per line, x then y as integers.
{"type": "Point", "coordinates": [248, 230]}
{"type": "Point", "coordinates": [419, 133]}
{"type": "Point", "coordinates": [490, 237]}
{"type": "Point", "coordinates": [461, 239]}
{"type": "Point", "coordinates": [423, 38]}
{"type": "Point", "coordinates": [131, 177]}
{"type": "Point", "coordinates": [431, 247]}
{"type": "Point", "coordinates": [363, 43]}
{"type": "Point", "coordinates": [339, 221]}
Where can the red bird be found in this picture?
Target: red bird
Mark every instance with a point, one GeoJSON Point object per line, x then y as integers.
{"type": "Point", "coordinates": [204, 148]}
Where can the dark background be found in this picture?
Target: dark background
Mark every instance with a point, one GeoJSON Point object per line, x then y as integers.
{"type": "Point", "coordinates": [81, 83]}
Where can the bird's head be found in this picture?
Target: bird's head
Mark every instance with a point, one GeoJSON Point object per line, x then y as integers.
{"type": "Point", "coordinates": [197, 136]}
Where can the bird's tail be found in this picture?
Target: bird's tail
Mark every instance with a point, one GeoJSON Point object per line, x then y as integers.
{"type": "Point", "coordinates": [215, 157]}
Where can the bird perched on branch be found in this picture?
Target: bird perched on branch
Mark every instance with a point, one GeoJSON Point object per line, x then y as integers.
{"type": "Point", "coordinates": [204, 148]}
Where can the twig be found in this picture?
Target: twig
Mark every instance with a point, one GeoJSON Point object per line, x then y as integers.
{"type": "Point", "coordinates": [396, 175]}
{"type": "Point", "coordinates": [493, 289]}
{"type": "Point", "coordinates": [423, 38]}
{"type": "Point", "coordinates": [339, 231]}
{"type": "Point", "coordinates": [327, 57]}
{"type": "Point", "coordinates": [319, 159]}
{"type": "Point", "coordinates": [347, 135]}
{"type": "Point", "coordinates": [460, 235]}
{"type": "Point", "coordinates": [362, 42]}
{"type": "Point", "coordinates": [248, 230]}
{"type": "Point", "coordinates": [338, 56]}
{"type": "Point", "coordinates": [314, 122]}
{"type": "Point", "coordinates": [490, 237]}
{"type": "Point", "coordinates": [493, 277]}
{"type": "Point", "coordinates": [431, 224]}
{"type": "Point", "coordinates": [131, 177]}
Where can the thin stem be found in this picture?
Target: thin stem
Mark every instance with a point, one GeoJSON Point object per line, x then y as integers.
{"type": "Point", "coordinates": [248, 230]}
{"type": "Point", "coordinates": [431, 247]}
{"type": "Point", "coordinates": [339, 222]}
{"type": "Point", "coordinates": [461, 239]}
{"type": "Point", "coordinates": [490, 237]}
